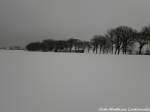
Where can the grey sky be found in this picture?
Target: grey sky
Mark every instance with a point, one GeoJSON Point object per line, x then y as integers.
{"type": "Point", "coordinates": [23, 21]}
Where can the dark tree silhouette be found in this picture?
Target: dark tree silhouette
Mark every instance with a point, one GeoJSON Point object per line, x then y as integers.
{"type": "Point", "coordinates": [71, 43]}
{"type": "Point", "coordinates": [86, 45]}
{"type": "Point", "coordinates": [107, 47]}
{"type": "Point", "coordinates": [141, 40]}
{"type": "Point", "coordinates": [121, 37]}
{"type": "Point", "coordinates": [35, 46]}
{"type": "Point", "coordinates": [89, 46]}
{"type": "Point", "coordinates": [128, 36]}
{"type": "Point", "coordinates": [95, 43]}
{"type": "Point", "coordinates": [48, 45]}
{"type": "Point", "coordinates": [146, 33]}
{"type": "Point", "coordinates": [102, 43]}
{"type": "Point", "coordinates": [60, 46]}
{"type": "Point", "coordinates": [115, 37]}
{"type": "Point", "coordinates": [76, 44]}
{"type": "Point", "coordinates": [110, 35]}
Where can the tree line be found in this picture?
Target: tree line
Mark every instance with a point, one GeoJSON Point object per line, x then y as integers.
{"type": "Point", "coordinates": [122, 39]}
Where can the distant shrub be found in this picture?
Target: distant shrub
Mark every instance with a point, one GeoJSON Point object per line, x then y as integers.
{"type": "Point", "coordinates": [36, 46]}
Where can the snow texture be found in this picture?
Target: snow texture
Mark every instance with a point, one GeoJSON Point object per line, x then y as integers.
{"type": "Point", "coordinates": [69, 82]}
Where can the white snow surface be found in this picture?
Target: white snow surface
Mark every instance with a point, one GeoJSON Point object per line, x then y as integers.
{"type": "Point", "coordinates": [69, 82]}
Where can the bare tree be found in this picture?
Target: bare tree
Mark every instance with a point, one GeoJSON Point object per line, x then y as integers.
{"type": "Point", "coordinates": [142, 40]}
{"type": "Point", "coordinates": [95, 43]}
{"type": "Point", "coordinates": [76, 43]}
{"type": "Point", "coordinates": [146, 33]}
{"type": "Point", "coordinates": [110, 35]}
{"type": "Point", "coordinates": [121, 37]}
{"type": "Point", "coordinates": [116, 39]}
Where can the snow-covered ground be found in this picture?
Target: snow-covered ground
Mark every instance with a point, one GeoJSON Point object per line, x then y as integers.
{"type": "Point", "coordinates": [63, 82]}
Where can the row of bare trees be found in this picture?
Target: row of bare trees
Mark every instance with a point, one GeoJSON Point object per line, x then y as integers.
{"type": "Point", "coordinates": [70, 45]}
{"type": "Point", "coordinates": [122, 39]}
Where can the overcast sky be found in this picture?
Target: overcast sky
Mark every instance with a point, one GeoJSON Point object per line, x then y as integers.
{"type": "Point", "coordinates": [23, 21]}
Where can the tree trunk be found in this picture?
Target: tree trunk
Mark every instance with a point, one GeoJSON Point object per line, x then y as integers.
{"type": "Point", "coordinates": [118, 51]}
{"type": "Point", "coordinates": [96, 50]}
{"type": "Point", "coordinates": [140, 49]}
{"type": "Point", "coordinates": [100, 49]}
{"type": "Point", "coordinates": [112, 49]}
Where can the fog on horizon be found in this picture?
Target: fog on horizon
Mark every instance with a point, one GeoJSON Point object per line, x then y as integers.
{"type": "Point", "coordinates": [23, 21]}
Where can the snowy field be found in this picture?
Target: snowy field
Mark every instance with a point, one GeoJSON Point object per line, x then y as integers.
{"type": "Point", "coordinates": [63, 82]}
